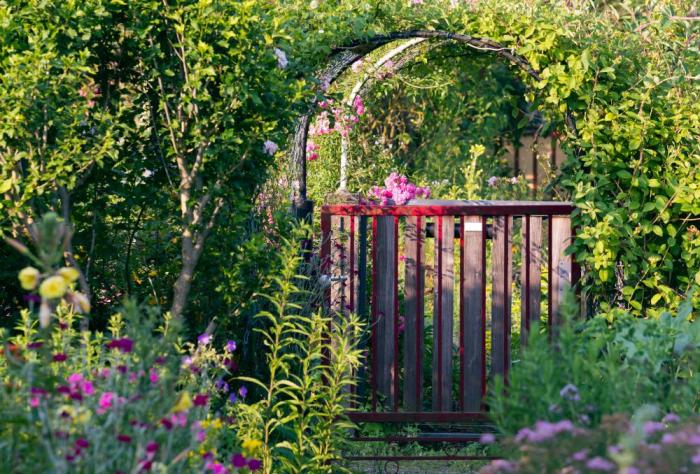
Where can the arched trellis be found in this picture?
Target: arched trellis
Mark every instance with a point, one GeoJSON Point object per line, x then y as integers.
{"type": "Point", "coordinates": [343, 57]}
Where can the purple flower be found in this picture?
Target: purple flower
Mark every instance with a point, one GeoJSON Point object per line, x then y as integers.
{"type": "Point", "coordinates": [82, 443]}
{"type": "Point", "coordinates": [201, 436]}
{"type": "Point", "coordinates": [238, 460]}
{"type": "Point", "coordinates": [232, 398]}
{"type": "Point", "coordinates": [221, 385]}
{"type": "Point", "coordinates": [600, 464]}
{"type": "Point", "coordinates": [243, 391]}
{"type": "Point", "coordinates": [503, 465]}
{"type": "Point", "coordinates": [230, 346]}
{"type": "Point", "coordinates": [668, 438]}
{"type": "Point", "coordinates": [487, 438]}
{"type": "Point", "coordinates": [651, 427]}
{"type": "Point", "coordinates": [35, 345]}
{"type": "Point", "coordinates": [122, 438]}
{"type": "Point", "coordinates": [254, 464]}
{"type": "Point", "coordinates": [204, 339]}
{"type": "Point", "coordinates": [60, 357]}
{"type": "Point", "coordinates": [544, 430]}
{"type": "Point", "coordinates": [570, 393]}
{"type": "Point", "coordinates": [671, 418]}
{"type": "Point", "coordinates": [492, 181]}
{"type": "Point", "coordinates": [580, 455]}
{"type": "Point", "coordinates": [270, 147]}
{"type": "Point", "coordinates": [696, 459]}
{"type": "Point", "coordinates": [554, 408]}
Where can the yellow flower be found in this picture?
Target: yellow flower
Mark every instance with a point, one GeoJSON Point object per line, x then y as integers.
{"type": "Point", "coordinates": [29, 278]}
{"type": "Point", "coordinates": [69, 274]}
{"type": "Point", "coordinates": [53, 287]}
{"type": "Point", "coordinates": [251, 445]}
{"type": "Point", "coordinates": [184, 403]}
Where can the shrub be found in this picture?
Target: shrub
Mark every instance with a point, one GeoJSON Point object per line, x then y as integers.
{"type": "Point", "coordinates": [600, 367]}
{"type": "Point", "coordinates": [634, 445]}
{"type": "Point", "coordinates": [299, 416]}
{"type": "Point", "coordinates": [125, 401]}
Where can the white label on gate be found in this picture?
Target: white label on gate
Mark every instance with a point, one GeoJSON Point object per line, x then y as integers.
{"type": "Point", "coordinates": [472, 226]}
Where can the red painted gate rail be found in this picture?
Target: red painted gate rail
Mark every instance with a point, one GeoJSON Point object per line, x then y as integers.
{"type": "Point", "coordinates": [363, 248]}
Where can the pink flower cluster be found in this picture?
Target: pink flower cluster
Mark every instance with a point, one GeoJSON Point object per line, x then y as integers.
{"type": "Point", "coordinates": [398, 190]}
{"type": "Point", "coordinates": [333, 119]}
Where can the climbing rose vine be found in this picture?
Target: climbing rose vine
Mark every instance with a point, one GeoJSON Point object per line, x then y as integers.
{"type": "Point", "coordinates": [398, 190]}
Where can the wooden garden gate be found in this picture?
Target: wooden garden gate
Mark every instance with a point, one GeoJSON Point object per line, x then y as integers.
{"type": "Point", "coordinates": [363, 249]}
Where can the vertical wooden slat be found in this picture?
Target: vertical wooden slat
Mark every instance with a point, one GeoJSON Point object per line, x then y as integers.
{"type": "Point", "coordinates": [531, 268]}
{"type": "Point", "coordinates": [326, 253]}
{"type": "Point", "coordinates": [501, 295]}
{"type": "Point", "coordinates": [413, 303]}
{"type": "Point", "coordinates": [472, 308]}
{"type": "Point", "coordinates": [339, 262]}
{"type": "Point", "coordinates": [361, 301]}
{"type": "Point", "coordinates": [561, 264]}
{"type": "Point", "coordinates": [443, 314]}
{"type": "Point", "coordinates": [352, 284]}
{"type": "Point", "coordinates": [384, 274]}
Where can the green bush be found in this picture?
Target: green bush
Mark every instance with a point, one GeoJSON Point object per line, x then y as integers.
{"type": "Point", "coordinates": [600, 367]}
{"type": "Point", "coordinates": [629, 445]}
{"type": "Point", "coordinates": [299, 416]}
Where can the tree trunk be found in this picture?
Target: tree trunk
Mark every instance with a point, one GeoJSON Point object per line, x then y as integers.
{"type": "Point", "coordinates": [181, 289]}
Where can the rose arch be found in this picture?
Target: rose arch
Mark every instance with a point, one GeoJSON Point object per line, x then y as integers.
{"type": "Point", "coordinates": [344, 57]}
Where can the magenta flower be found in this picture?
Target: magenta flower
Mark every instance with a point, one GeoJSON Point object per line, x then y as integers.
{"type": "Point", "coordinates": [81, 443]}
{"type": "Point", "coordinates": [216, 468]}
{"type": "Point", "coordinates": [105, 402]}
{"type": "Point", "coordinates": [122, 438]}
{"type": "Point", "coordinates": [153, 376]}
{"type": "Point", "coordinates": [200, 400]}
{"type": "Point", "coordinates": [60, 357]}
{"type": "Point", "coordinates": [201, 436]}
{"type": "Point", "coordinates": [125, 345]}
{"type": "Point", "coordinates": [151, 447]}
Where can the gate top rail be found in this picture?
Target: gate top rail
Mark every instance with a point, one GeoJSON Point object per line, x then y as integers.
{"type": "Point", "coordinates": [436, 207]}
